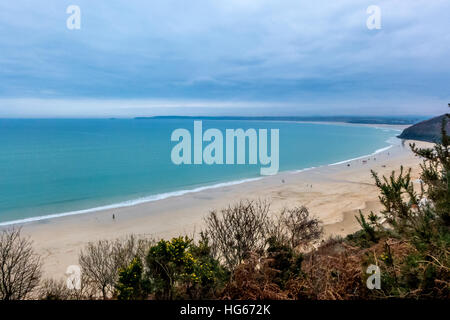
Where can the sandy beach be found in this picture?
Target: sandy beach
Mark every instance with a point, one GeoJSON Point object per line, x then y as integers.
{"type": "Point", "coordinates": [333, 193]}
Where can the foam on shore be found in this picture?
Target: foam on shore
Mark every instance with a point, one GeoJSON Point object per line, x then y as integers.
{"type": "Point", "coordinates": [129, 203]}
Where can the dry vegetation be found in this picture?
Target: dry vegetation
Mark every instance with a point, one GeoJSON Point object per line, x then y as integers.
{"type": "Point", "coordinates": [20, 267]}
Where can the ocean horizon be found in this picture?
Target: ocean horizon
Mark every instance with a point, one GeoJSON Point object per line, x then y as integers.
{"type": "Point", "coordinates": [57, 167]}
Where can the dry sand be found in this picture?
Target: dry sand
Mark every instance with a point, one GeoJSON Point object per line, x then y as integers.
{"type": "Point", "coordinates": [334, 194]}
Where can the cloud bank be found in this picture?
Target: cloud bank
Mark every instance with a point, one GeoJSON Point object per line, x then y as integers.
{"type": "Point", "coordinates": [297, 57]}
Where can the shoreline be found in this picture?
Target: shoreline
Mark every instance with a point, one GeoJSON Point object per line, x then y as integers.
{"type": "Point", "coordinates": [178, 193]}
{"type": "Point", "coordinates": [128, 203]}
{"type": "Point", "coordinates": [332, 193]}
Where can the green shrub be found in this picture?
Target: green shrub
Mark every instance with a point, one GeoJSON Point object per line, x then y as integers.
{"type": "Point", "coordinates": [131, 285]}
{"type": "Point", "coordinates": [420, 219]}
{"type": "Point", "coordinates": [181, 269]}
{"type": "Point", "coordinates": [285, 261]}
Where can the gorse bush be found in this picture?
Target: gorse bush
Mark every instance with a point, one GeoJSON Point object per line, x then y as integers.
{"type": "Point", "coordinates": [211, 274]}
{"type": "Point", "coordinates": [184, 269]}
{"type": "Point", "coordinates": [131, 284]}
{"type": "Point", "coordinates": [169, 264]}
{"type": "Point", "coordinates": [420, 220]}
{"type": "Point", "coordinates": [436, 174]}
{"type": "Point", "coordinates": [181, 269]}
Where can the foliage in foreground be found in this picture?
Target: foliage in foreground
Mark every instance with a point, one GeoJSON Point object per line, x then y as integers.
{"type": "Point", "coordinates": [20, 266]}
{"type": "Point", "coordinates": [182, 269]}
{"type": "Point", "coordinates": [409, 240]}
{"type": "Point", "coordinates": [421, 221]}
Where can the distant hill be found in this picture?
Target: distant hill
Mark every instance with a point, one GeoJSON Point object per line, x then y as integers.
{"type": "Point", "coordinates": [349, 119]}
{"type": "Point", "coordinates": [428, 130]}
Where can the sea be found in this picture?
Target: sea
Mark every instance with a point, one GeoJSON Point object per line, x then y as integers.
{"type": "Point", "coordinates": [56, 167]}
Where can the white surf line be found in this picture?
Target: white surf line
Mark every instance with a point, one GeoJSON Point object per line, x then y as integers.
{"type": "Point", "coordinates": [128, 203]}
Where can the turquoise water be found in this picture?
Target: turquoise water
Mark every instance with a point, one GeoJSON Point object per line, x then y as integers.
{"type": "Point", "coordinates": [58, 166]}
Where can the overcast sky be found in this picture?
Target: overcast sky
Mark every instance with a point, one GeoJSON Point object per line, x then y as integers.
{"type": "Point", "coordinates": [274, 57]}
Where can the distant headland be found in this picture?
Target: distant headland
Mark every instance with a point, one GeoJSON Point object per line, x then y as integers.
{"type": "Point", "coordinates": [428, 130]}
{"type": "Point", "coordinates": [403, 120]}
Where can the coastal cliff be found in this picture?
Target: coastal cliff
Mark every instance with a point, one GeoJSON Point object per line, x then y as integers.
{"type": "Point", "coordinates": [428, 130]}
